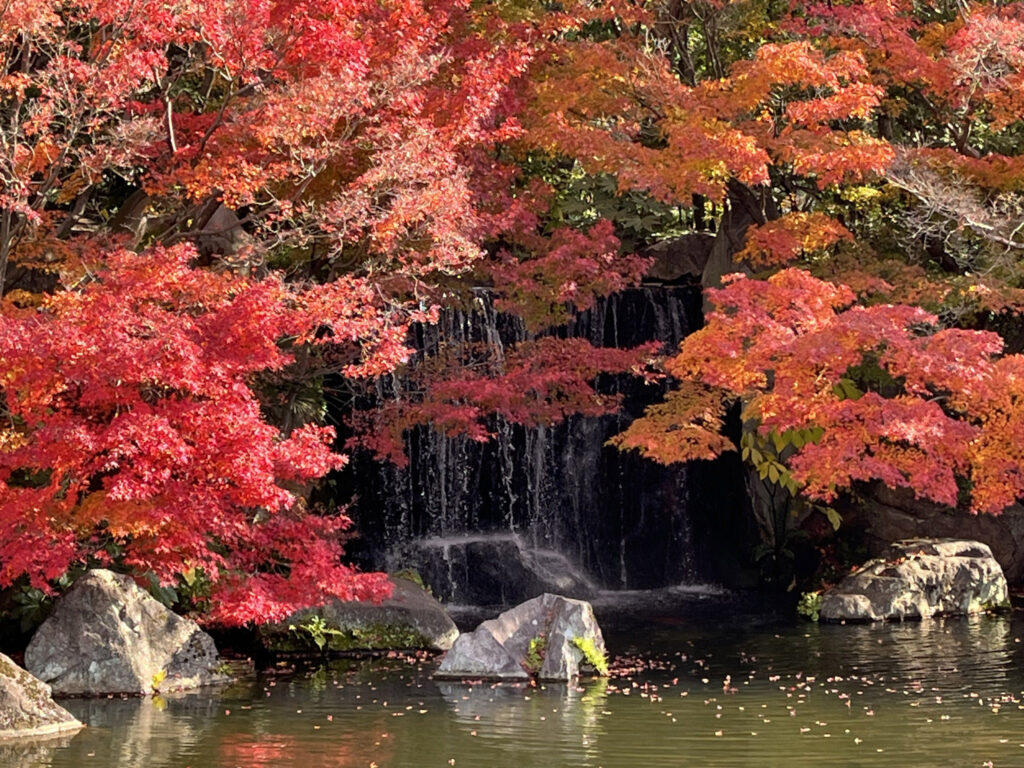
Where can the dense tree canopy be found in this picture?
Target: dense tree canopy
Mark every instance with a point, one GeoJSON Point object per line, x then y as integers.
{"type": "Point", "coordinates": [202, 203]}
{"type": "Point", "coordinates": [876, 145]}
{"type": "Point", "coordinates": [207, 209]}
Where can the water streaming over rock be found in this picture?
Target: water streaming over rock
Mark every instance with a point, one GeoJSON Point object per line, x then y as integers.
{"type": "Point", "coordinates": [554, 502]}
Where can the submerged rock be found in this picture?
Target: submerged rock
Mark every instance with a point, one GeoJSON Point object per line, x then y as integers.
{"type": "Point", "coordinates": [547, 637]}
{"type": "Point", "coordinates": [107, 635]}
{"type": "Point", "coordinates": [26, 708]}
{"type": "Point", "coordinates": [919, 578]}
{"type": "Point", "coordinates": [409, 619]}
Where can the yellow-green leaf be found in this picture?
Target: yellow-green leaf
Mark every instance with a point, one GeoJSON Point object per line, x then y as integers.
{"type": "Point", "coordinates": [779, 441]}
{"type": "Point", "coordinates": [833, 517]}
{"type": "Point", "coordinates": [159, 678]}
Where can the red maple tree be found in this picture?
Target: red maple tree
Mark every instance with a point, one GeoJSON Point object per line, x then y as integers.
{"type": "Point", "coordinates": [293, 178]}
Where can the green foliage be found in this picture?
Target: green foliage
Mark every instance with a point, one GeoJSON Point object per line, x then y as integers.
{"type": "Point", "coordinates": [29, 607]}
{"type": "Point", "coordinates": [165, 595]}
{"type": "Point", "coordinates": [593, 656]}
{"type": "Point", "coordinates": [582, 199]}
{"type": "Point", "coordinates": [194, 587]}
{"type": "Point", "coordinates": [834, 518]}
{"type": "Point", "coordinates": [639, 219]}
{"type": "Point", "coordinates": [809, 605]}
{"type": "Point", "coordinates": [535, 654]}
{"type": "Point", "coordinates": [368, 637]}
{"type": "Point", "coordinates": [318, 630]}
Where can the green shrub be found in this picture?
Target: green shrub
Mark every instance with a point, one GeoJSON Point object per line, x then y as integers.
{"type": "Point", "coordinates": [809, 605]}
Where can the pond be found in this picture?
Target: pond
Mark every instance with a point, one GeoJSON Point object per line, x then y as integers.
{"type": "Point", "coordinates": [698, 682]}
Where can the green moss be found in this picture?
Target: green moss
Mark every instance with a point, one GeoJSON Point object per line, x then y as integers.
{"type": "Point", "coordinates": [592, 655]}
{"type": "Point", "coordinates": [314, 635]}
{"type": "Point", "coordinates": [411, 574]}
{"type": "Point", "coordinates": [382, 637]}
{"type": "Point", "coordinates": [996, 606]}
{"type": "Point", "coordinates": [7, 668]}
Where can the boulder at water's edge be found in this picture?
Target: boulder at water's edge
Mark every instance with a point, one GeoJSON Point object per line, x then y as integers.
{"type": "Point", "coordinates": [920, 578]}
{"type": "Point", "coordinates": [539, 638]}
{"type": "Point", "coordinates": [108, 635]}
{"type": "Point", "coordinates": [26, 708]}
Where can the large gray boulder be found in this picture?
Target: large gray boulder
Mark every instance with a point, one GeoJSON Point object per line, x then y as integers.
{"type": "Point", "coordinates": [107, 635]}
{"type": "Point", "coordinates": [409, 619]}
{"type": "Point", "coordinates": [26, 708]}
{"type": "Point", "coordinates": [920, 578]}
{"type": "Point", "coordinates": [540, 638]}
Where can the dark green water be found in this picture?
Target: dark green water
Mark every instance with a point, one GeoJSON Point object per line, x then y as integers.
{"type": "Point", "coordinates": [939, 693]}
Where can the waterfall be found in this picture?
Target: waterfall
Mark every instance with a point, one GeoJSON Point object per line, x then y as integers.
{"type": "Point", "coordinates": [550, 495]}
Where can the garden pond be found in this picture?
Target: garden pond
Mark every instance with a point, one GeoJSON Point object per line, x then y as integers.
{"type": "Point", "coordinates": [697, 681]}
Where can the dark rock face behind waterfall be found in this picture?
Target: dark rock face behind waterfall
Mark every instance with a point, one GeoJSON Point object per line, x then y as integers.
{"type": "Point", "coordinates": [554, 494]}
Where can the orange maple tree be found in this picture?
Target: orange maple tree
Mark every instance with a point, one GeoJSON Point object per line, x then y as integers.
{"type": "Point", "coordinates": [840, 393]}
{"type": "Point", "coordinates": [872, 144]}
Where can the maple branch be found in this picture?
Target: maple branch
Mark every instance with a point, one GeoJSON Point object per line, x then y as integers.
{"type": "Point", "coordinates": [5, 245]}
{"type": "Point", "coordinates": [81, 200]}
{"type": "Point", "coordinates": [169, 117]}
{"type": "Point", "coordinates": [678, 37]}
{"type": "Point", "coordinates": [219, 119]}
{"type": "Point", "coordinates": [955, 202]}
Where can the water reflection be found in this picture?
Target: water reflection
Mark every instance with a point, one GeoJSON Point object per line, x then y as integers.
{"type": "Point", "coordinates": [32, 753]}
{"type": "Point", "coordinates": [137, 731]}
{"type": "Point", "coordinates": [554, 723]}
{"type": "Point", "coordinates": [797, 696]}
{"type": "Point", "coordinates": [958, 654]}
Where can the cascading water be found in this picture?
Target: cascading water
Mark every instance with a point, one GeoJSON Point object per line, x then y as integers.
{"type": "Point", "coordinates": [552, 506]}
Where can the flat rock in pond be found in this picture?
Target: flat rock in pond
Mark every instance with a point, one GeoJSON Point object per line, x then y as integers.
{"type": "Point", "coordinates": [410, 619]}
{"type": "Point", "coordinates": [920, 578]}
{"type": "Point", "coordinates": [108, 635]}
{"type": "Point", "coordinates": [539, 638]}
{"type": "Point", "coordinates": [26, 708]}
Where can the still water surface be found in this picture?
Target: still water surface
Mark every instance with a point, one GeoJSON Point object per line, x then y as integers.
{"type": "Point", "coordinates": [707, 687]}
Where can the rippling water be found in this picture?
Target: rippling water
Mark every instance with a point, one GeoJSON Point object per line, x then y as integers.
{"type": "Point", "coordinates": [690, 690]}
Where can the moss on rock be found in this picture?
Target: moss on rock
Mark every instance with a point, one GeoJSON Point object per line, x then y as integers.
{"type": "Point", "coordinates": [370, 637]}
{"type": "Point", "coordinates": [409, 620]}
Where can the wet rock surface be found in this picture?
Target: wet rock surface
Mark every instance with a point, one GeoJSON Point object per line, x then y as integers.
{"type": "Point", "coordinates": [495, 570]}
{"type": "Point", "coordinates": [107, 635]}
{"type": "Point", "coordinates": [540, 638]}
{"type": "Point", "coordinates": [920, 578]}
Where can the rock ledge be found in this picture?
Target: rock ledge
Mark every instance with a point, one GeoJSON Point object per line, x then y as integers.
{"type": "Point", "coordinates": [409, 619]}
